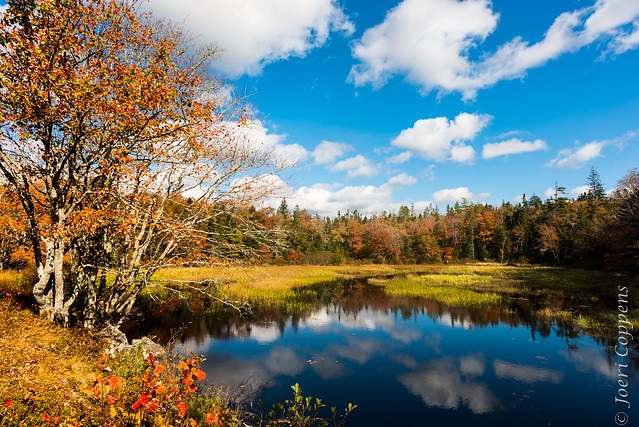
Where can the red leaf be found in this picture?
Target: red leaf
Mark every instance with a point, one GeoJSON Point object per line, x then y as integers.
{"type": "Point", "coordinates": [158, 369]}
{"type": "Point", "coordinates": [181, 407]}
{"type": "Point", "coordinates": [199, 374]}
{"type": "Point", "coordinates": [8, 403]}
{"type": "Point", "coordinates": [113, 381]}
{"type": "Point", "coordinates": [142, 401]}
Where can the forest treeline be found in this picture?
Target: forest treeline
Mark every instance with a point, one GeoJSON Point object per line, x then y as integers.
{"type": "Point", "coordinates": [595, 230]}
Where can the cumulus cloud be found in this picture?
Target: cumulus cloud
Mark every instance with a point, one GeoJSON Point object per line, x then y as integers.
{"type": "Point", "coordinates": [267, 186]}
{"type": "Point", "coordinates": [255, 137]}
{"type": "Point", "coordinates": [426, 40]}
{"type": "Point", "coordinates": [451, 195]}
{"type": "Point", "coordinates": [327, 152]}
{"type": "Point", "coordinates": [402, 179]}
{"type": "Point", "coordinates": [549, 193]}
{"type": "Point", "coordinates": [578, 191]}
{"type": "Point", "coordinates": [512, 146]}
{"type": "Point", "coordinates": [441, 139]}
{"type": "Point", "coordinates": [462, 153]}
{"type": "Point", "coordinates": [356, 166]}
{"type": "Point", "coordinates": [253, 33]}
{"type": "Point", "coordinates": [327, 200]}
{"type": "Point", "coordinates": [431, 41]}
{"type": "Point", "coordinates": [570, 158]}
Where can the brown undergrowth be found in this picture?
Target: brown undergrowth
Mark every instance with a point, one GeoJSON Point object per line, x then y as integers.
{"type": "Point", "coordinates": [44, 369]}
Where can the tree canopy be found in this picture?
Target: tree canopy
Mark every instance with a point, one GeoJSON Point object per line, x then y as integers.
{"type": "Point", "coordinates": [118, 145]}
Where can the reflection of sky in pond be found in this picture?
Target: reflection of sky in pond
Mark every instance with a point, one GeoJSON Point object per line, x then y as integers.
{"type": "Point", "coordinates": [432, 369]}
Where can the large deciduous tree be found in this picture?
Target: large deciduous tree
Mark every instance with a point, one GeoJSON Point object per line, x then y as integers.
{"type": "Point", "coordinates": [120, 148]}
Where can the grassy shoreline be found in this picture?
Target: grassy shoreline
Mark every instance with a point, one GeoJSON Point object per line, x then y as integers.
{"type": "Point", "coordinates": [586, 298]}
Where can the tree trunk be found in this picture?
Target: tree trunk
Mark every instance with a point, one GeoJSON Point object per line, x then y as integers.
{"type": "Point", "coordinates": [90, 303]}
{"type": "Point", "coordinates": [43, 289]}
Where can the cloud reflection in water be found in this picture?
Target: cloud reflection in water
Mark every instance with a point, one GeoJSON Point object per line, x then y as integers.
{"type": "Point", "coordinates": [442, 383]}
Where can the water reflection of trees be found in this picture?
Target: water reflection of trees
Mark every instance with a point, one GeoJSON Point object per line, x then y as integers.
{"type": "Point", "coordinates": [350, 298]}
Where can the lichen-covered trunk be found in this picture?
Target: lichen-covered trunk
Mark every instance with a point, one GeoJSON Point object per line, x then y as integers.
{"type": "Point", "coordinates": [60, 314]}
{"type": "Point", "coordinates": [53, 295]}
{"type": "Point", "coordinates": [43, 290]}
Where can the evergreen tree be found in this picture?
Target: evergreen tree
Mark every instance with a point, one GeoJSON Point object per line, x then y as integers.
{"type": "Point", "coordinates": [596, 191]}
{"type": "Point", "coordinates": [283, 209]}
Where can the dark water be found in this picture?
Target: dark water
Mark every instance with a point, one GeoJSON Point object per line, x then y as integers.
{"type": "Point", "coordinates": [417, 362]}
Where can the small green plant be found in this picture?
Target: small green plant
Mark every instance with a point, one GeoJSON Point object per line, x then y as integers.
{"type": "Point", "coordinates": [303, 411]}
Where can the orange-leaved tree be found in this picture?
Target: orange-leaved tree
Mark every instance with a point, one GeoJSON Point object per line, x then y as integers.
{"type": "Point", "coordinates": [120, 147]}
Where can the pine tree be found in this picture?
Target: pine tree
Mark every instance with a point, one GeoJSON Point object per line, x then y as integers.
{"type": "Point", "coordinates": [596, 191]}
{"type": "Point", "coordinates": [283, 209]}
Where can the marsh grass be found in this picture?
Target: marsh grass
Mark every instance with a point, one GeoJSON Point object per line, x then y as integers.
{"type": "Point", "coordinates": [466, 284]}
{"type": "Point", "coordinates": [587, 299]}
{"type": "Point", "coordinates": [272, 283]}
{"type": "Point", "coordinates": [415, 286]}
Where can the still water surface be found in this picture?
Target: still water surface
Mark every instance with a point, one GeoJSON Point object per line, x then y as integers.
{"type": "Point", "coordinates": [416, 362]}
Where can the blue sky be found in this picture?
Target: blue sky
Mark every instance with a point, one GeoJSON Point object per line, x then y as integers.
{"type": "Point", "coordinates": [428, 101]}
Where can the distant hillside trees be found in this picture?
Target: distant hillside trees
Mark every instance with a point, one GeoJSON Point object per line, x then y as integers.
{"type": "Point", "coordinates": [593, 230]}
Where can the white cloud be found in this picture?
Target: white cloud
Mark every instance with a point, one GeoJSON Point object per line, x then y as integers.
{"type": "Point", "coordinates": [402, 179]}
{"type": "Point", "coordinates": [578, 191]}
{"type": "Point", "coordinates": [327, 200]}
{"type": "Point", "coordinates": [441, 139]}
{"type": "Point", "coordinates": [450, 195]}
{"type": "Point", "coordinates": [327, 152]}
{"type": "Point", "coordinates": [462, 153]}
{"type": "Point", "coordinates": [253, 33]}
{"type": "Point", "coordinates": [255, 135]}
{"type": "Point", "coordinates": [427, 40]}
{"type": "Point", "coordinates": [549, 193]}
{"type": "Point", "coordinates": [259, 187]}
{"type": "Point", "coordinates": [575, 158]}
{"type": "Point", "coordinates": [400, 158]}
{"type": "Point", "coordinates": [356, 166]}
{"type": "Point", "coordinates": [430, 42]}
{"type": "Point", "coordinates": [569, 158]}
{"type": "Point", "coordinates": [627, 42]}
{"type": "Point", "coordinates": [512, 146]}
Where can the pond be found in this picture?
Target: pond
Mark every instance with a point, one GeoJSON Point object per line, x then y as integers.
{"type": "Point", "coordinates": [409, 361]}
